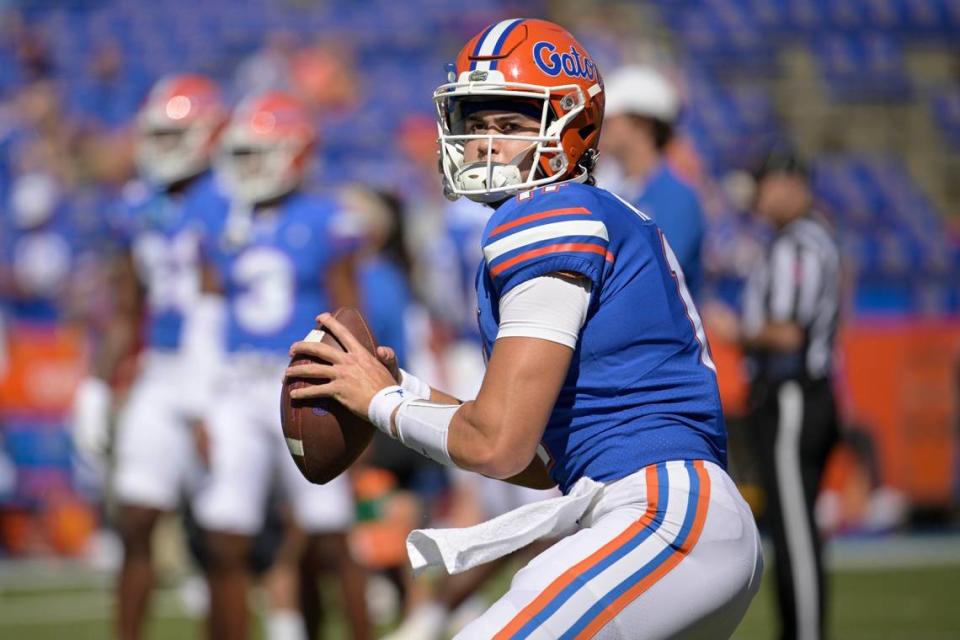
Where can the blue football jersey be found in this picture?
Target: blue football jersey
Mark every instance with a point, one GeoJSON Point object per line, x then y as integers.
{"type": "Point", "coordinates": [642, 387]}
{"type": "Point", "coordinates": [164, 234]}
{"type": "Point", "coordinates": [274, 282]}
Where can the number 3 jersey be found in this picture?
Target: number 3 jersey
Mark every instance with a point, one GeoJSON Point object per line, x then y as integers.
{"type": "Point", "coordinates": [641, 388]}
{"type": "Point", "coordinates": [274, 279]}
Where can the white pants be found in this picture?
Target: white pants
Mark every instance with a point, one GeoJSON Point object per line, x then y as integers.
{"type": "Point", "coordinates": [156, 459]}
{"type": "Point", "coordinates": [671, 551]}
{"type": "Point", "coordinates": [248, 451]}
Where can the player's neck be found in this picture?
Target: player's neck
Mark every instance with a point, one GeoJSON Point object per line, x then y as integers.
{"type": "Point", "coordinates": [640, 165]}
{"type": "Point", "coordinates": [785, 220]}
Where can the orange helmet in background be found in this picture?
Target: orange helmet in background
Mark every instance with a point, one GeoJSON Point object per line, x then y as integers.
{"type": "Point", "coordinates": [266, 148]}
{"type": "Point", "coordinates": [177, 128]}
{"type": "Point", "coordinates": [531, 62]}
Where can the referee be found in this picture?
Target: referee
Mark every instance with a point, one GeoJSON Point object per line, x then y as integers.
{"type": "Point", "coordinates": [790, 315]}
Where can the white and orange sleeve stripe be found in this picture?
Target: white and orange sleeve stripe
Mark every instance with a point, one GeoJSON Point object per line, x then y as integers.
{"type": "Point", "coordinates": [510, 246]}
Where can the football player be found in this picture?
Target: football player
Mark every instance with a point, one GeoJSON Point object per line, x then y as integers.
{"type": "Point", "coordinates": [283, 253]}
{"type": "Point", "coordinates": [598, 372]}
{"type": "Point", "coordinates": [158, 278]}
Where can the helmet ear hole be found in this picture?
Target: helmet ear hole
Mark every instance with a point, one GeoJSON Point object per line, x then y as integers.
{"type": "Point", "coordinates": [570, 101]}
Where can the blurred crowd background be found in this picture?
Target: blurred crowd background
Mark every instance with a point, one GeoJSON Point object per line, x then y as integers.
{"type": "Point", "coordinates": [868, 91]}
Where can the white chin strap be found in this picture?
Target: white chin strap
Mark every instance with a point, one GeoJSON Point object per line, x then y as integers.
{"type": "Point", "coordinates": [479, 176]}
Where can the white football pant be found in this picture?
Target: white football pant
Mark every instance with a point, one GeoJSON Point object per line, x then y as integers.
{"type": "Point", "coordinates": [249, 451]}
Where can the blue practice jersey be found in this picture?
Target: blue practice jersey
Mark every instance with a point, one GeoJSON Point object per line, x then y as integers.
{"type": "Point", "coordinates": [674, 206]}
{"type": "Point", "coordinates": [164, 234]}
{"type": "Point", "coordinates": [641, 388]}
{"type": "Point", "coordinates": [274, 282]}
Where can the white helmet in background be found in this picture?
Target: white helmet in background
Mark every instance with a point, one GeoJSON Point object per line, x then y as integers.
{"type": "Point", "coordinates": [642, 91]}
{"type": "Point", "coordinates": [266, 148]}
{"type": "Point", "coordinates": [177, 128]}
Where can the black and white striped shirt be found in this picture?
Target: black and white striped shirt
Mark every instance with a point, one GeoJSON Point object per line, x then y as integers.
{"type": "Point", "coordinates": [798, 282]}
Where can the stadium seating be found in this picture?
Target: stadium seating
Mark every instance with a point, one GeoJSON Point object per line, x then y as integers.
{"type": "Point", "coordinates": [863, 66]}
{"type": "Point", "coordinates": [945, 108]}
{"type": "Point", "coordinates": [893, 238]}
{"type": "Point", "coordinates": [728, 125]}
{"type": "Point", "coordinates": [905, 260]}
{"type": "Point", "coordinates": [889, 227]}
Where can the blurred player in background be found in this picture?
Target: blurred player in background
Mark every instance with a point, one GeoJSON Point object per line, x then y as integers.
{"type": "Point", "coordinates": [282, 254]}
{"type": "Point", "coordinates": [383, 264]}
{"type": "Point", "coordinates": [598, 371]}
{"type": "Point", "coordinates": [789, 324]}
{"type": "Point", "coordinates": [157, 279]}
{"type": "Point", "coordinates": [641, 112]}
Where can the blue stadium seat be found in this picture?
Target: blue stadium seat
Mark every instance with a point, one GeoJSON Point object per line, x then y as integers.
{"type": "Point", "coordinates": [945, 108]}
{"type": "Point", "coordinates": [863, 66]}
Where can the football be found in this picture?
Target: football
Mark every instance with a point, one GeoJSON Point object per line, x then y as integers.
{"type": "Point", "coordinates": [323, 436]}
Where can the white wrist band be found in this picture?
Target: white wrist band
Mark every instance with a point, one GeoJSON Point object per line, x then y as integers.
{"type": "Point", "coordinates": [414, 385]}
{"type": "Point", "coordinates": [382, 406]}
{"type": "Point", "coordinates": [423, 426]}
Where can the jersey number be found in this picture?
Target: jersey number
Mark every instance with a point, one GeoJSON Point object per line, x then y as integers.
{"type": "Point", "coordinates": [688, 304]}
{"type": "Point", "coordinates": [170, 269]}
{"type": "Point", "coordinates": [685, 296]}
{"type": "Point", "coordinates": [266, 277]}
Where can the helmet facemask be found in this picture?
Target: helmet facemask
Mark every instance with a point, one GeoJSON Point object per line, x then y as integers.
{"type": "Point", "coordinates": [255, 172]}
{"type": "Point", "coordinates": [489, 181]}
{"type": "Point", "coordinates": [167, 154]}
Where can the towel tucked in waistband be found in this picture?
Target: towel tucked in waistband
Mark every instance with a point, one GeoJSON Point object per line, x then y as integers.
{"type": "Point", "coordinates": [458, 550]}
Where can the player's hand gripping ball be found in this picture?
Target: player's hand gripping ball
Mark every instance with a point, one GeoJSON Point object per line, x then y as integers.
{"type": "Point", "coordinates": [323, 436]}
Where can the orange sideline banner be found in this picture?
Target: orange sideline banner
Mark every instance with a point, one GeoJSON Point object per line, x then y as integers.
{"type": "Point", "coordinates": [900, 380]}
{"type": "Point", "coordinates": [45, 365]}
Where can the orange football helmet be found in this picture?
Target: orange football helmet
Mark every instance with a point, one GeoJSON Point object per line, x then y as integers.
{"type": "Point", "coordinates": [266, 148]}
{"type": "Point", "coordinates": [529, 61]}
{"type": "Point", "coordinates": [177, 128]}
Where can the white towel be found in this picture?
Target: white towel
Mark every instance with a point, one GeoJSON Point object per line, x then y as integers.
{"type": "Point", "coordinates": [461, 549]}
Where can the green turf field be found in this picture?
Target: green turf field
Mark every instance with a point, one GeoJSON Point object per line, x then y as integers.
{"type": "Point", "coordinates": [903, 604]}
{"type": "Point", "coordinates": [920, 603]}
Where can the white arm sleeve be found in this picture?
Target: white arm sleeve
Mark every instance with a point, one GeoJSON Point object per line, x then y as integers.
{"type": "Point", "coordinates": [420, 424]}
{"type": "Point", "coordinates": [549, 307]}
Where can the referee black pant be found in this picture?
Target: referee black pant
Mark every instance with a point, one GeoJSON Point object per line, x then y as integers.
{"type": "Point", "coordinates": [794, 426]}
